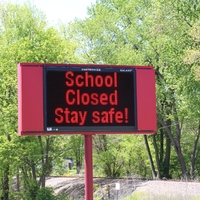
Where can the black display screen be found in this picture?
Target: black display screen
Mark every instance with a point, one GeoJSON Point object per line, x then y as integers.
{"type": "Point", "coordinates": [89, 99]}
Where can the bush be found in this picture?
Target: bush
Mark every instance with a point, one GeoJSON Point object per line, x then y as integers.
{"type": "Point", "coordinates": [31, 190]}
{"type": "Point", "coordinates": [45, 194]}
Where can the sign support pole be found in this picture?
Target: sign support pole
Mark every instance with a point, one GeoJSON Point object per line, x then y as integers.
{"type": "Point", "coordinates": [88, 168]}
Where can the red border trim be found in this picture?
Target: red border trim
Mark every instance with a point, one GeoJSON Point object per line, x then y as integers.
{"type": "Point", "coordinates": [30, 99]}
{"type": "Point", "coordinates": [146, 100]}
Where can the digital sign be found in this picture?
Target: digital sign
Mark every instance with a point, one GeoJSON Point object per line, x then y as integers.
{"type": "Point", "coordinates": [89, 99]}
{"type": "Point", "coordinates": [56, 99]}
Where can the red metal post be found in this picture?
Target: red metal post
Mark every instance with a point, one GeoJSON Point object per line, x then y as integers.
{"type": "Point", "coordinates": [88, 168]}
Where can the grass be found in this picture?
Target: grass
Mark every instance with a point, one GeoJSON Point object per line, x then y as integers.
{"type": "Point", "coordinates": [140, 195]}
{"type": "Point", "coordinates": [136, 196]}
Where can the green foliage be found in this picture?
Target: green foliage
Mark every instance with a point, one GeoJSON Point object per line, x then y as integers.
{"type": "Point", "coordinates": [25, 37]}
{"type": "Point", "coordinates": [63, 197]}
{"type": "Point", "coordinates": [31, 190]}
{"type": "Point", "coordinates": [160, 33]}
{"type": "Point", "coordinates": [164, 34]}
{"type": "Point", "coordinates": [45, 193]}
{"type": "Point", "coordinates": [147, 196]}
{"type": "Point", "coordinates": [117, 156]}
{"type": "Point", "coordinates": [136, 196]}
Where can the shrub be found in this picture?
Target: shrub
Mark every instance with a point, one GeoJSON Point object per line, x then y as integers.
{"type": "Point", "coordinates": [45, 194]}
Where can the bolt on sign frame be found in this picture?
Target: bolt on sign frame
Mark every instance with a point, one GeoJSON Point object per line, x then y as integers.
{"type": "Point", "coordinates": [56, 99]}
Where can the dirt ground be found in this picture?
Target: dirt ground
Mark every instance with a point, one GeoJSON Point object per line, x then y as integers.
{"type": "Point", "coordinates": [105, 188]}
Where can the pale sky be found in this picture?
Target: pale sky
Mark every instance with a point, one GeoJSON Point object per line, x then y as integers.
{"type": "Point", "coordinates": [63, 10]}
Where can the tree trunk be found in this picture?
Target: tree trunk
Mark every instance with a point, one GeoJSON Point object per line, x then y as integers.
{"type": "Point", "coordinates": [5, 186]}
{"type": "Point", "coordinates": [157, 156]}
{"type": "Point", "coordinates": [150, 157]}
{"type": "Point", "coordinates": [181, 160]}
{"type": "Point", "coordinates": [194, 154]}
{"type": "Point", "coordinates": [161, 145]}
{"type": "Point", "coordinates": [167, 157]}
{"type": "Point", "coordinates": [78, 167]}
{"type": "Point", "coordinates": [18, 181]}
{"type": "Point", "coordinates": [42, 176]}
{"type": "Point", "coordinates": [177, 143]}
{"type": "Point", "coordinates": [177, 147]}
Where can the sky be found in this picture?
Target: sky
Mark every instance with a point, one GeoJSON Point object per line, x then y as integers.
{"type": "Point", "coordinates": [63, 10]}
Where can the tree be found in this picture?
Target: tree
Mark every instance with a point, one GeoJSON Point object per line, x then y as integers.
{"type": "Point", "coordinates": [24, 37]}
{"type": "Point", "coordinates": [75, 145]}
{"type": "Point", "coordinates": [192, 59]}
{"type": "Point", "coordinates": [149, 33]}
{"type": "Point", "coordinates": [117, 156]}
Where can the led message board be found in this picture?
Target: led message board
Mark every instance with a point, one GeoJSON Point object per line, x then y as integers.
{"type": "Point", "coordinates": [85, 99]}
{"type": "Point", "coordinates": [89, 99]}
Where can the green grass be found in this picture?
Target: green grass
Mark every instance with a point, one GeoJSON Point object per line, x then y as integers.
{"type": "Point", "coordinates": [138, 195]}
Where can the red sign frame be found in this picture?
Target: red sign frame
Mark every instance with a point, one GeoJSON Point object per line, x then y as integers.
{"type": "Point", "coordinates": [31, 100]}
